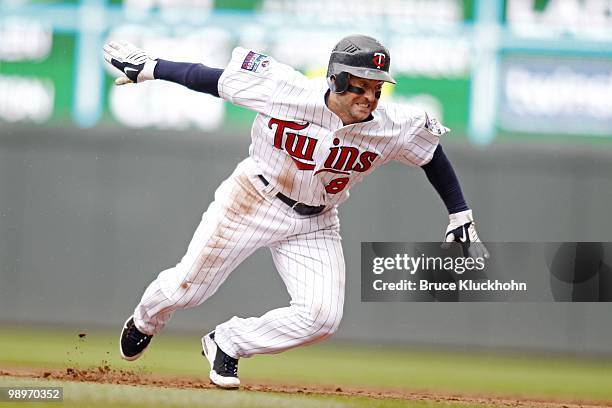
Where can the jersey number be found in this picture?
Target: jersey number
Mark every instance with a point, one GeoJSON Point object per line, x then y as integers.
{"type": "Point", "coordinates": [337, 185]}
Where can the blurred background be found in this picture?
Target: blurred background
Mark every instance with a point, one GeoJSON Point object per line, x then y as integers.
{"type": "Point", "coordinates": [102, 187]}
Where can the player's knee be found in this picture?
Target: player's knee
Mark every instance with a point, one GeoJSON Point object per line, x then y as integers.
{"type": "Point", "coordinates": [322, 321]}
{"type": "Point", "coordinates": [329, 327]}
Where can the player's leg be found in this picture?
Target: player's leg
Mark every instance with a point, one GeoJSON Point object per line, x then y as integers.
{"type": "Point", "coordinates": [226, 236]}
{"type": "Point", "coordinates": [229, 232]}
{"type": "Point", "coordinates": [312, 267]}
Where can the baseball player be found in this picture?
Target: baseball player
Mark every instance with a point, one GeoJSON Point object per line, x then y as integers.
{"type": "Point", "coordinates": [311, 141]}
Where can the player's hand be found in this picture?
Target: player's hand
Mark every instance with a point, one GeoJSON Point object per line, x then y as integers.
{"type": "Point", "coordinates": [462, 231]}
{"type": "Point", "coordinates": [135, 64]}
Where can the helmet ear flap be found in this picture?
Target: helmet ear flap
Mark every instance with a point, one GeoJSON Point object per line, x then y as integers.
{"type": "Point", "coordinates": [338, 83]}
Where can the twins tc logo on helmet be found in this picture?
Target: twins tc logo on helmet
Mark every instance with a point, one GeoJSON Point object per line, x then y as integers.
{"type": "Point", "coordinates": [379, 59]}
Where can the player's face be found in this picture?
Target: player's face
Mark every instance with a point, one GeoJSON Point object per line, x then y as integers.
{"type": "Point", "coordinates": [356, 106]}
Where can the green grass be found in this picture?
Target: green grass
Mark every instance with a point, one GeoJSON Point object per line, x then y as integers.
{"type": "Point", "coordinates": [329, 365]}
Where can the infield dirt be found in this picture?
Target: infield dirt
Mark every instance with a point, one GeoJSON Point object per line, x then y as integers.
{"type": "Point", "coordinates": [105, 374]}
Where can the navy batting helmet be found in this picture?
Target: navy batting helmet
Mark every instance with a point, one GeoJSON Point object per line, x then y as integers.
{"type": "Point", "coordinates": [361, 56]}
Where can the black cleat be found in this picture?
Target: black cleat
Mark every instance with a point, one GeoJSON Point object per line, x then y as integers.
{"type": "Point", "coordinates": [223, 368]}
{"type": "Point", "coordinates": [132, 342]}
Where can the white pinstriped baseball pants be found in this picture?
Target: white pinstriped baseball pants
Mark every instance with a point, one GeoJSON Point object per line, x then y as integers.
{"type": "Point", "coordinates": [306, 250]}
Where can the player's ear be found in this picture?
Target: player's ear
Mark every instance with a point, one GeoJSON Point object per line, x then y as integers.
{"type": "Point", "coordinates": [338, 83]}
{"type": "Point", "coordinates": [331, 83]}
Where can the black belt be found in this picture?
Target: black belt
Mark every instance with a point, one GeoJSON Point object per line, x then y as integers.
{"type": "Point", "coordinates": [300, 208]}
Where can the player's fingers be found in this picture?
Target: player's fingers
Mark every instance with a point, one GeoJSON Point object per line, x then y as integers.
{"type": "Point", "coordinates": [450, 237]}
{"type": "Point", "coordinates": [485, 251]}
{"type": "Point", "coordinates": [473, 252]}
{"type": "Point", "coordinates": [110, 53]}
{"type": "Point", "coordinates": [108, 58]}
{"type": "Point", "coordinates": [479, 250]}
{"type": "Point", "coordinates": [128, 46]}
{"type": "Point", "coordinates": [122, 80]}
{"type": "Point", "coordinates": [113, 45]}
{"type": "Point", "coordinates": [467, 250]}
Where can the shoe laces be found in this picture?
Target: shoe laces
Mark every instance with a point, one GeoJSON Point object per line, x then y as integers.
{"type": "Point", "coordinates": [135, 335]}
{"type": "Point", "coordinates": [230, 365]}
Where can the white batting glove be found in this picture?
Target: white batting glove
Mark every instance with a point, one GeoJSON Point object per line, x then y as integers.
{"type": "Point", "coordinates": [135, 64]}
{"type": "Point", "coordinates": [462, 231]}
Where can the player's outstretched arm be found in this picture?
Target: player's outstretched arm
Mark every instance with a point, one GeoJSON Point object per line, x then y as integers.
{"type": "Point", "coordinates": [138, 66]}
{"type": "Point", "coordinates": [461, 229]}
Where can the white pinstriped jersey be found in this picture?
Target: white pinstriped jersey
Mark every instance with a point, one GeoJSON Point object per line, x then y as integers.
{"type": "Point", "coordinates": [302, 147]}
